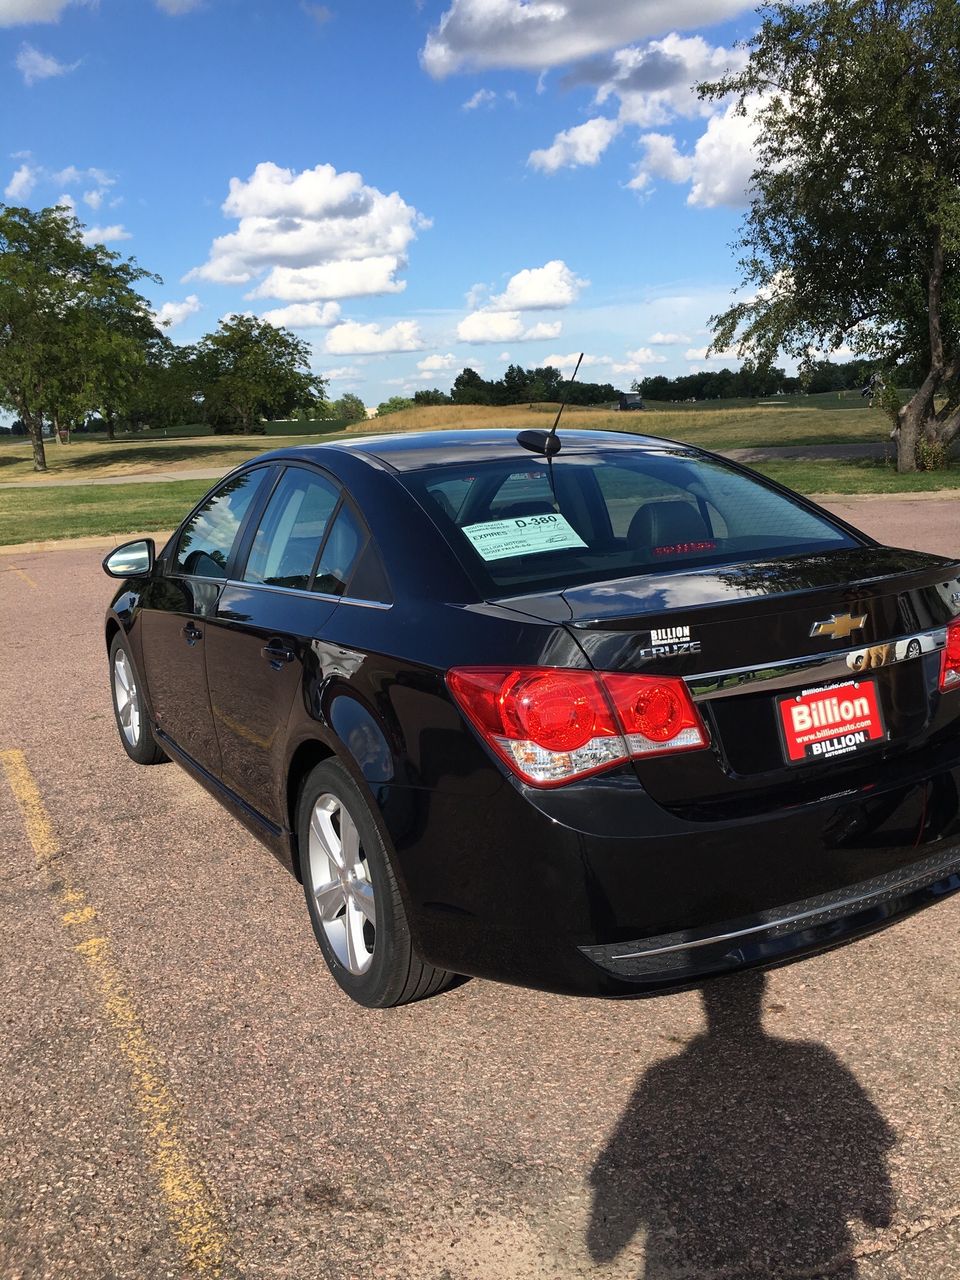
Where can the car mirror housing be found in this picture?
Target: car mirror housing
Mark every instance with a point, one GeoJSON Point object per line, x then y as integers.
{"type": "Point", "coordinates": [131, 560]}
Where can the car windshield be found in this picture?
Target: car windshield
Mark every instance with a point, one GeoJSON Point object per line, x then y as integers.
{"type": "Point", "coordinates": [610, 515]}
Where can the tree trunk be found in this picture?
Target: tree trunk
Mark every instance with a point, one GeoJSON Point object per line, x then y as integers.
{"type": "Point", "coordinates": [35, 428]}
{"type": "Point", "coordinates": [109, 419]}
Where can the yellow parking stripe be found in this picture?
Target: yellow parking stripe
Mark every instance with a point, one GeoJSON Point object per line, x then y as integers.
{"type": "Point", "coordinates": [21, 573]}
{"type": "Point", "coordinates": [191, 1207]}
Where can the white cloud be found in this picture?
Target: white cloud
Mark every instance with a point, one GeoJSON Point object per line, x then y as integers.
{"type": "Point", "coordinates": [700, 353]}
{"type": "Point", "coordinates": [482, 98]}
{"type": "Point", "coordinates": [304, 315]}
{"type": "Point", "coordinates": [93, 198]}
{"type": "Point", "coordinates": [16, 12]}
{"type": "Point", "coordinates": [105, 235]}
{"type": "Point", "coordinates": [583, 144]}
{"type": "Point", "coordinates": [667, 339]}
{"type": "Point", "coordinates": [177, 6]}
{"type": "Point", "coordinates": [353, 339]}
{"type": "Point", "coordinates": [319, 234]}
{"type": "Point", "coordinates": [539, 289]}
{"type": "Point", "coordinates": [503, 326]}
{"type": "Point", "coordinates": [719, 167]}
{"type": "Point", "coordinates": [430, 365]}
{"type": "Point", "coordinates": [535, 34]}
{"type": "Point", "coordinates": [170, 314]}
{"type": "Point", "coordinates": [342, 373]}
{"type": "Point", "coordinates": [22, 183]}
{"type": "Point", "coordinates": [634, 362]}
{"type": "Point", "coordinates": [570, 361]}
{"type": "Point", "coordinates": [349, 279]}
{"type": "Point", "coordinates": [34, 65]}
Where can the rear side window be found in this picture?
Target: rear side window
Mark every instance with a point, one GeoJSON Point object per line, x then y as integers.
{"type": "Point", "coordinates": [614, 514]}
{"type": "Point", "coordinates": [292, 528]}
{"type": "Point", "coordinates": [339, 554]}
{"type": "Point", "coordinates": [207, 540]}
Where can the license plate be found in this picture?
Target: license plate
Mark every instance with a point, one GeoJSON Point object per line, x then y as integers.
{"type": "Point", "coordinates": [830, 722]}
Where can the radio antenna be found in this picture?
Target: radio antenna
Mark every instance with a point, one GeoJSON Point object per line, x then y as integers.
{"type": "Point", "coordinates": [547, 442]}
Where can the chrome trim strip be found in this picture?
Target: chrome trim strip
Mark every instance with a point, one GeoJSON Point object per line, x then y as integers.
{"type": "Point", "coordinates": [822, 666]}
{"type": "Point", "coordinates": [861, 894]}
{"type": "Point", "coordinates": [309, 595]}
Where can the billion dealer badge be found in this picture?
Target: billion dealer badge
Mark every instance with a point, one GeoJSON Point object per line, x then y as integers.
{"type": "Point", "coordinates": [834, 721]}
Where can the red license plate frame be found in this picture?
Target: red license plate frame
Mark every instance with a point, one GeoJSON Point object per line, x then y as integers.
{"type": "Point", "coordinates": [832, 722]}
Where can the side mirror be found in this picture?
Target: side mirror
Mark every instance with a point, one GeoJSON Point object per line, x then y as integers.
{"type": "Point", "coordinates": [131, 560]}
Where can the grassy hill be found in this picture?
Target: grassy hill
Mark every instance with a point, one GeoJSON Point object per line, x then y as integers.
{"type": "Point", "coordinates": [714, 428]}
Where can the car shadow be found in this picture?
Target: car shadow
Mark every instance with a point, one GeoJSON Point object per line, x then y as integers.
{"type": "Point", "coordinates": [745, 1155]}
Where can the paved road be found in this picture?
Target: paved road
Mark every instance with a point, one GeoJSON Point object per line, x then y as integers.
{"type": "Point", "coordinates": [183, 1092]}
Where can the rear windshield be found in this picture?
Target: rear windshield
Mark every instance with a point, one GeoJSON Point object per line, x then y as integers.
{"type": "Point", "coordinates": [610, 515]}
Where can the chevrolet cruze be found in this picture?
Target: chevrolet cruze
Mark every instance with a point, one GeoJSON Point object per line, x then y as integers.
{"type": "Point", "coordinates": [607, 718]}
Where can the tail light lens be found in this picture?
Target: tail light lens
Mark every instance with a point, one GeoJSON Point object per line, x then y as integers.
{"type": "Point", "coordinates": [950, 658]}
{"type": "Point", "coordinates": [553, 725]}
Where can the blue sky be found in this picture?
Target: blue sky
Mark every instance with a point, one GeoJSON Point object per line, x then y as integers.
{"type": "Point", "coordinates": [414, 187]}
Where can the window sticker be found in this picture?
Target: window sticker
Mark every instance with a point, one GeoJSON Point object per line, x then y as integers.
{"type": "Point", "coordinates": [501, 539]}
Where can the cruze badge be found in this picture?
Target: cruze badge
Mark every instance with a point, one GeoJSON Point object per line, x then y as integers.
{"type": "Point", "coordinates": [838, 625]}
{"type": "Point", "coordinates": [667, 641]}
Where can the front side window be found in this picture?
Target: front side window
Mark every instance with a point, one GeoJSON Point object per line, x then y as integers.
{"type": "Point", "coordinates": [208, 537]}
{"type": "Point", "coordinates": [291, 531]}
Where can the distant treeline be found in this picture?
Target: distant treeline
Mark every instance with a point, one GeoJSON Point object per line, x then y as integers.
{"type": "Point", "coordinates": [724, 384]}
{"type": "Point", "coordinates": [519, 386]}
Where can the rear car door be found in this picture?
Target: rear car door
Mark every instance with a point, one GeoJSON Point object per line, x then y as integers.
{"type": "Point", "coordinates": [297, 563]}
{"type": "Point", "coordinates": [175, 609]}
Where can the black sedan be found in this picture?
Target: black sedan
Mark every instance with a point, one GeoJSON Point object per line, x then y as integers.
{"type": "Point", "coordinates": [606, 721]}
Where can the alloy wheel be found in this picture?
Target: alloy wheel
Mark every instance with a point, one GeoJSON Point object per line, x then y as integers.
{"type": "Point", "coordinates": [127, 698]}
{"type": "Point", "coordinates": [340, 884]}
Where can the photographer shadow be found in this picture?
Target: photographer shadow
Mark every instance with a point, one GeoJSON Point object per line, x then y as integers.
{"type": "Point", "coordinates": [744, 1156]}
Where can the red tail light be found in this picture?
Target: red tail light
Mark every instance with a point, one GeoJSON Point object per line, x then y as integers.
{"type": "Point", "coordinates": [552, 724]}
{"type": "Point", "coordinates": [950, 660]}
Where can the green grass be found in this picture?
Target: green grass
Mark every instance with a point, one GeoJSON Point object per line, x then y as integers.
{"type": "Point", "coordinates": [89, 458]}
{"type": "Point", "coordinates": [857, 475]}
{"type": "Point", "coordinates": [33, 514]}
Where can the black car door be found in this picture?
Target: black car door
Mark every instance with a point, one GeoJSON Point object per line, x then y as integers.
{"type": "Point", "coordinates": [261, 629]}
{"type": "Point", "coordinates": [175, 607]}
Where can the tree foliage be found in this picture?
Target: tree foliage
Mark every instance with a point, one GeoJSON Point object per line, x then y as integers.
{"type": "Point", "coordinates": [350, 408]}
{"type": "Point", "coordinates": [853, 232]}
{"type": "Point", "coordinates": [73, 327]}
{"type": "Point", "coordinates": [530, 386]}
{"type": "Point", "coordinates": [396, 404]}
{"type": "Point", "coordinates": [249, 370]}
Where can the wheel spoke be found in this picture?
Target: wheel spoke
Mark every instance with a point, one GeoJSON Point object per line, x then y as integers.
{"type": "Point", "coordinates": [349, 840]}
{"type": "Point", "coordinates": [330, 899]}
{"type": "Point", "coordinates": [123, 675]}
{"type": "Point", "coordinates": [364, 899]}
{"type": "Point", "coordinates": [357, 953]}
{"type": "Point", "coordinates": [321, 826]}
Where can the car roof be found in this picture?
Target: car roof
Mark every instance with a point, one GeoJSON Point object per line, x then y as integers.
{"type": "Point", "coordinates": [415, 450]}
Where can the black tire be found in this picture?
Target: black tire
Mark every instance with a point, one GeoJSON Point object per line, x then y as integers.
{"type": "Point", "coordinates": [382, 970]}
{"type": "Point", "coordinates": [139, 742]}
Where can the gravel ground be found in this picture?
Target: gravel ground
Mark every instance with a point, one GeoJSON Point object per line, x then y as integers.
{"type": "Point", "coordinates": [804, 1125]}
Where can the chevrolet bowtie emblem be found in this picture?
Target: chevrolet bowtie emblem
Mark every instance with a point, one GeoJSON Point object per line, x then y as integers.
{"type": "Point", "coordinates": [839, 626]}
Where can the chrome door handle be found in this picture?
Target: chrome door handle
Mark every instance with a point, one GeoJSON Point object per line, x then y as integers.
{"type": "Point", "coordinates": [277, 655]}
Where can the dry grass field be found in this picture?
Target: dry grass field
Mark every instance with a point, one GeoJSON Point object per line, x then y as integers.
{"type": "Point", "coordinates": [711, 428]}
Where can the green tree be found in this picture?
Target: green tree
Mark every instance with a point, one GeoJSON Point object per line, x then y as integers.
{"type": "Point", "coordinates": [69, 316]}
{"type": "Point", "coordinates": [470, 388]}
{"type": "Point", "coordinates": [853, 232]}
{"type": "Point", "coordinates": [250, 370]}
{"type": "Point", "coordinates": [350, 408]}
{"type": "Point", "coordinates": [396, 404]}
{"type": "Point", "coordinates": [432, 396]}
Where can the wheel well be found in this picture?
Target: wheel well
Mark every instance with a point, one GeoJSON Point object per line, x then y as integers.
{"type": "Point", "coordinates": [113, 626]}
{"type": "Point", "coordinates": [306, 757]}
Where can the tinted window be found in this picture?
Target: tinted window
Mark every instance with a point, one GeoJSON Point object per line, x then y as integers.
{"type": "Point", "coordinates": [291, 530]}
{"type": "Point", "coordinates": [612, 515]}
{"type": "Point", "coordinates": [208, 536]}
{"type": "Point", "coordinates": [340, 553]}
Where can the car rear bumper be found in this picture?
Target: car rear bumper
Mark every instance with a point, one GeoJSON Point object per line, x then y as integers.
{"type": "Point", "coordinates": [512, 887]}
{"type": "Point", "coordinates": [772, 937]}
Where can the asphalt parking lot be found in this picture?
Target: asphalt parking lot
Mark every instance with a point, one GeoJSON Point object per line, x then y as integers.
{"type": "Point", "coordinates": [184, 1092]}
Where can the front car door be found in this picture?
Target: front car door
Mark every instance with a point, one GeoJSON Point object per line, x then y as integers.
{"type": "Point", "coordinates": [175, 607]}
